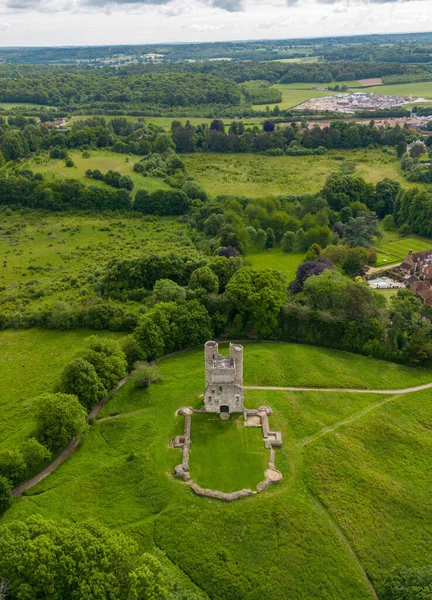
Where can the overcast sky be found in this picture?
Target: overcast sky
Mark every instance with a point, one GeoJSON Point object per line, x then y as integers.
{"type": "Point", "coordinates": [93, 22]}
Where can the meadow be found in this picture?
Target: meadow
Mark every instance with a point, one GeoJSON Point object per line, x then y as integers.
{"type": "Point", "coordinates": [260, 176]}
{"type": "Point", "coordinates": [99, 159]}
{"type": "Point", "coordinates": [395, 251]}
{"type": "Point", "coordinates": [350, 462]}
{"type": "Point", "coordinates": [165, 122]}
{"type": "Point", "coordinates": [30, 364]}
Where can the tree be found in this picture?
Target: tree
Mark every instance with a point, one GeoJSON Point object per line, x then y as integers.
{"type": "Point", "coordinates": [288, 241]}
{"type": "Point", "coordinates": [270, 238]}
{"type": "Point", "coordinates": [108, 360]}
{"type": "Point", "coordinates": [417, 150]}
{"type": "Point", "coordinates": [268, 126]}
{"type": "Point", "coordinates": [217, 125]}
{"type": "Point", "coordinates": [150, 338]}
{"type": "Point", "coordinates": [12, 465]}
{"type": "Point", "coordinates": [388, 223]}
{"type": "Point", "coordinates": [386, 192]}
{"type": "Point", "coordinates": [405, 230]}
{"type": "Point", "coordinates": [79, 377]}
{"type": "Point", "coordinates": [204, 278]}
{"type": "Point", "coordinates": [307, 269]}
{"type": "Point", "coordinates": [408, 584]}
{"type": "Point", "coordinates": [132, 351]}
{"type": "Point", "coordinates": [313, 252]}
{"type": "Point", "coordinates": [166, 290]}
{"type": "Point", "coordinates": [60, 417]}
{"type": "Point", "coordinates": [42, 559]}
{"type": "Point", "coordinates": [258, 296]}
{"type": "Point", "coordinates": [361, 230]}
{"type": "Point", "coordinates": [5, 494]}
{"type": "Point", "coordinates": [35, 455]}
{"type": "Point", "coordinates": [194, 190]}
{"type": "Point", "coordinates": [126, 182]}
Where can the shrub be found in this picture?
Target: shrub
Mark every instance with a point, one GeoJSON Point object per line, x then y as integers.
{"type": "Point", "coordinates": [5, 494]}
{"type": "Point", "coordinates": [70, 163]}
{"type": "Point", "coordinates": [405, 230]}
{"type": "Point", "coordinates": [143, 376]}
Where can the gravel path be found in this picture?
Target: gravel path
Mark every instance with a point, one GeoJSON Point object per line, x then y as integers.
{"type": "Point", "coordinates": [418, 388]}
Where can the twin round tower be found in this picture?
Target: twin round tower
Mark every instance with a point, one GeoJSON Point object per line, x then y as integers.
{"type": "Point", "coordinates": [224, 380]}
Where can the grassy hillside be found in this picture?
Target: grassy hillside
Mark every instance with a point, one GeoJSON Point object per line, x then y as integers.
{"type": "Point", "coordinates": [351, 463]}
{"type": "Point", "coordinates": [257, 175]}
{"type": "Point", "coordinates": [285, 262]}
{"type": "Point", "coordinates": [30, 363]}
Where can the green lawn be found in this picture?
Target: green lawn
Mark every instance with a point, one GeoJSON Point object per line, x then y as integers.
{"type": "Point", "coordinates": [395, 251]}
{"type": "Point", "coordinates": [259, 176]}
{"type": "Point", "coordinates": [30, 363]}
{"type": "Point", "coordinates": [293, 94]}
{"type": "Point", "coordinates": [99, 159]}
{"type": "Point", "coordinates": [285, 262]}
{"type": "Point", "coordinates": [226, 455]}
{"type": "Point", "coordinates": [353, 465]}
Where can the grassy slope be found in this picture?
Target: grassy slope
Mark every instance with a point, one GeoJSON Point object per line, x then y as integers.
{"type": "Point", "coordinates": [280, 544]}
{"type": "Point", "coordinates": [257, 175]}
{"type": "Point", "coordinates": [30, 363]}
{"type": "Point", "coordinates": [100, 159]}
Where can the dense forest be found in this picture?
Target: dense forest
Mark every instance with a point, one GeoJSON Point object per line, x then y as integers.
{"type": "Point", "coordinates": [410, 47]}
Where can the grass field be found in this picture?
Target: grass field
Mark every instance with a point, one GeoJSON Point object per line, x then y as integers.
{"type": "Point", "coordinates": [416, 90]}
{"type": "Point", "coordinates": [285, 262]}
{"type": "Point", "coordinates": [52, 259]}
{"type": "Point", "coordinates": [260, 176]}
{"type": "Point", "coordinates": [355, 467]}
{"type": "Point", "coordinates": [100, 159]}
{"type": "Point", "coordinates": [165, 122]}
{"type": "Point", "coordinates": [226, 455]}
{"type": "Point", "coordinates": [30, 363]}
{"type": "Point", "coordinates": [395, 251]}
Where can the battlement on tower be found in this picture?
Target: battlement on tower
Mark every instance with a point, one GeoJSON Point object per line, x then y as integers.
{"type": "Point", "coordinates": [224, 379]}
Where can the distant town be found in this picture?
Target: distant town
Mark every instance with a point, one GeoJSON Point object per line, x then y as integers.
{"type": "Point", "coordinates": [353, 102]}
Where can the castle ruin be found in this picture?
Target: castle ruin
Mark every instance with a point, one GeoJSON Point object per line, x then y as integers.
{"type": "Point", "coordinates": [224, 380]}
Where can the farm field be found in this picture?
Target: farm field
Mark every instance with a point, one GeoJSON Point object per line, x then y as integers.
{"type": "Point", "coordinates": [260, 176]}
{"type": "Point", "coordinates": [100, 159]}
{"type": "Point", "coordinates": [30, 363]}
{"type": "Point", "coordinates": [416, 90]}
{"type": "Point", "coordinates": [285, 262]}
{"type": "Point", "coordinates": [395, 251]}
{"type": "Point", "coordinates": [363, 457]}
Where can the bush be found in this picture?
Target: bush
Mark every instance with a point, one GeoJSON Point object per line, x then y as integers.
{"type": "Point", "coordinates": [143, 376]}
{"type": "Point", "coordinates": [60, 418]}
{"type": "Point", "coordinates": [5, 494]}
{"type": "Point", "coordinates": [70, 163]}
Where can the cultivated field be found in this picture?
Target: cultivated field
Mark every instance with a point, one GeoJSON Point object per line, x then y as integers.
{"type": "Point", "coordinates": [165, 122]}
{"type": "Point", "coordinates": [350, 462]}
{"type": "Point", "coordinates": [256, 175]}
{"type": "Point", "coordinates": [99, 159]}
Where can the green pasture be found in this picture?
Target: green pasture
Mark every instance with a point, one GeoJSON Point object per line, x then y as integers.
{"type": "Point", "coordinates": [30, 363]}
{"type": "Point", "coordinates": [416, 90]}
{"type": "Point", "coordinates": [355, 467]}
{"type": "Point", "coordinates": [99, 159]}
{"type": "Point", "coordinates": [285, 262]}
{"type": "Point", "coordinates": [226, 455]}
{"type": "Point", "coordinates": [259, 176]}
{"type": "Point", "coordinates": [395, 251]}
{"type": "Point", "coordinates": [291, 96]}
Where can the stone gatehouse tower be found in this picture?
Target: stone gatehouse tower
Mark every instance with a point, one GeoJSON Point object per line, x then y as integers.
{"type": "Point", "coordinates": [224, 380]}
